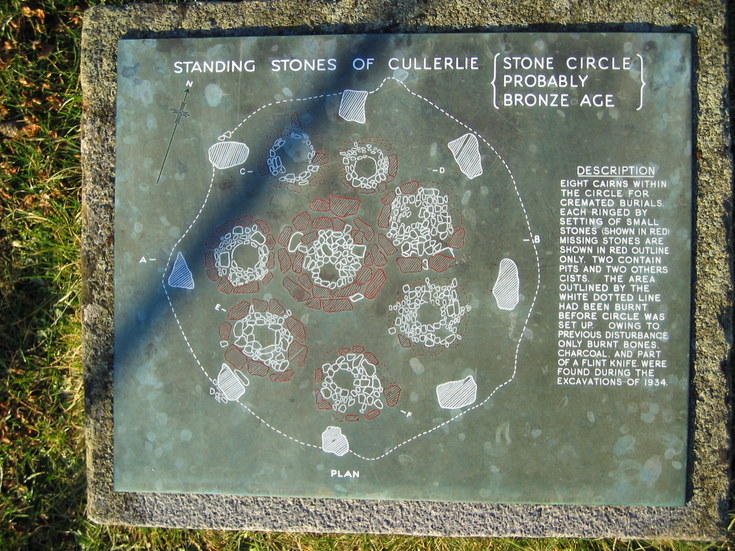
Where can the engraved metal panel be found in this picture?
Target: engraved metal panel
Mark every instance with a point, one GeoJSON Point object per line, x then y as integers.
{"type": "Point", "coordinates": [448, 267]}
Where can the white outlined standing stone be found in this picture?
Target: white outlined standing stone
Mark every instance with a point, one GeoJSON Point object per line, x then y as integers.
{"type": "Point", "coordinates": [352, 106]}
{"type": "Point", "coordinates": [230, 385]}
{"type": "Point", "coordinates": [506, 285]}
{"type": "Point", "coordinates": [457, 394]}
{"type": "Point", "coordinates": [333, 441]}
{"type": "Point", "coordinates": [466, 151]}
{"type": "Point", "coordinates": [180, 275]}
{"type": "Point", "coordinates": [224, 155]}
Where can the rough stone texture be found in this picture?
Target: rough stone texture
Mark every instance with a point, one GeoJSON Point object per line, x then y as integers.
{"type": "Point", "coordinates": [704, 516]}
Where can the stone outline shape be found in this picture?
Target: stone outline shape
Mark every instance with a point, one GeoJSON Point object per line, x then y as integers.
{"type": "Point", "coordinates": [230, 384]}
{"type": "Point", "coordinates": [181, 276]}
{"type": "Point", "coordinates": [333, 441]}
{"type": "Point", "coordinates": [466, 152]}
{"type": "Point", "coordinates": [352, 105]}
{"type": "Point", "coordinates": [224, 155]}
{"type": "Point", "coordinates": [457, 394]}
{"type": "Point", "coordinates": [506, 285]}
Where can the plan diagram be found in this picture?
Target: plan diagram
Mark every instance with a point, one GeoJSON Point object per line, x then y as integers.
{"type": "Point", "coordinates": [330, 282]}
{"type": "Point", "coordinates": [355, 243]}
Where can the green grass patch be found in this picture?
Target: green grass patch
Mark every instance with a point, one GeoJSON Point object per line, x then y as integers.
{"type": "Point", "coordinates": [42, 457]}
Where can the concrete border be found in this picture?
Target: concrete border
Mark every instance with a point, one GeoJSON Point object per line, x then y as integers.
{"type": "Point", "coordinates": [705, 514]}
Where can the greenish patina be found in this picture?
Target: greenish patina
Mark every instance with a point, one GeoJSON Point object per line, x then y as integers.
{"type": "Point", "coordinates": [221, 388]}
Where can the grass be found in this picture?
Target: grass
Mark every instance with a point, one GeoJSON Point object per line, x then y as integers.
{"type": "Point", "coordinates": [42, 465]}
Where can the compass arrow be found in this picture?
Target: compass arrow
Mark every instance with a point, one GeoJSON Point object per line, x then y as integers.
{"type": "Point", "coordinates": [180, 113]}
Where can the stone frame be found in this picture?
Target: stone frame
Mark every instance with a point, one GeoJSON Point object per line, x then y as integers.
{"type": "Point", "coordinates": [709, 453]}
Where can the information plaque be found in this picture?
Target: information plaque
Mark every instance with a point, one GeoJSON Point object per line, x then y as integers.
{"type": "Point", "coordinates": [451, 267]}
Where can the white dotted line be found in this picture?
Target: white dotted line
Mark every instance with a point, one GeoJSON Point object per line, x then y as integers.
{"type": "Point", "coordinates": [290, 100]}
{"type": "Point", "coordinates": [267, 424]}
{"type": "Point", "coordinates": [165, 271]}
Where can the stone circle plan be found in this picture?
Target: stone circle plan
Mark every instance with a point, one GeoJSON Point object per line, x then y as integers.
{"type": "Point", "coordinates": [338, 275]}
{"type": "Point", "coordinates": [337, 256]}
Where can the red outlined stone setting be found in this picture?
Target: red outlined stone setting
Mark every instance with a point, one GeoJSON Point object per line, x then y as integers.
{"type": "Point", "coordinates": [354, 386]}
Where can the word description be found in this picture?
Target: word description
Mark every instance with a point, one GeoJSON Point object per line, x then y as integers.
{"type": "Point", "coordinates": [612, 273]}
